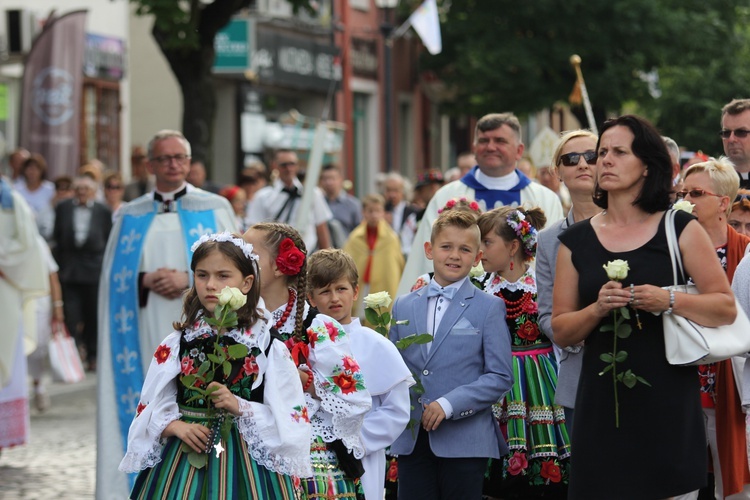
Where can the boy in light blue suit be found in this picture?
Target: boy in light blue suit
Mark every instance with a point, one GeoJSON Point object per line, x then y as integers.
{"type": "Point", "coordinates": [464, 370]}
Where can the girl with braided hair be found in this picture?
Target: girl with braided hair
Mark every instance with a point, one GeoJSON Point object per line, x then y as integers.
{"type": "Point", "coordinates": [337, 400]}
{"type": "Point", "coordinates": [534, 428]}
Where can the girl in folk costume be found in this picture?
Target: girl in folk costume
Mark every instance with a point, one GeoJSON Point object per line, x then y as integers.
{"type": "Point", "coordinates": [533, 426]}
{"type": "Point", "coordinates": [222, 412]}
{"type": "Point", "coordinates": [337, 400]}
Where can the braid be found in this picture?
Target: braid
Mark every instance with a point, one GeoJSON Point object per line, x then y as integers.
{"type": "Point", "coordinates": [276, 232]}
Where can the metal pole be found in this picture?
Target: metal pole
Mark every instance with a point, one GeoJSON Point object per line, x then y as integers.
{"type": "Point", "coordinates": [387, 29]}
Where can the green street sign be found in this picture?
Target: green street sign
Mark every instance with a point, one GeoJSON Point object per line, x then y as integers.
{"type": "Point", "coordinates": [233, 47]}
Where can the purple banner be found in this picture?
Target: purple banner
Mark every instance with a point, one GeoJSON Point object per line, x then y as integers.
{"type": "Point", "coordinates": [51, 96]}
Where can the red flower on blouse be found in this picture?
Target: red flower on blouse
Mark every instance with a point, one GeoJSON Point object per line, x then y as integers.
{"type": "Point", "coordinates": [528, 331]}
{"type": "Point", "coordinates": [551, 471]}
{"type": "Point", "coordinates": [350, 364]}
{"type": "Point", "coordinates": [312, 337]}
{"type": "Point", "coordinates": [346, 383]}
{"type": "Point", "coordinates": [333, 332]}
{"type": "Point", "coordinates": [162, 353]}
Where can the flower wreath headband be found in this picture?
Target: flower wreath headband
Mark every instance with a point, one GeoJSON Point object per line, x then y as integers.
{"type": "Point", "coordinates": [472, 205]}
{"type": "Point", "coordinates": [246, 247]}
{"type": "Point", "coordinates": [525, 231]}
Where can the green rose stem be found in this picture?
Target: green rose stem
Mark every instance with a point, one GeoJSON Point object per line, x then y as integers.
{"type": "Point", "coordinates": [616, 271]}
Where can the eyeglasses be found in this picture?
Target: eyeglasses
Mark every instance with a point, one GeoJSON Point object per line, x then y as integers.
{"type": "Point", "coordinates": [739, 133]}
{"type": "Point", "coordinates": [572, 159]}
{"type": "Point", "coordinates": [741, 197]}
{"type": "Point", "coordinates": [287, 164]}
{"type": "Point", "coordinates": [167, 159]}
{"type": "Point", "coordinates": [696, 193]}
{"type": "Point", "coordinates": [113, 186]}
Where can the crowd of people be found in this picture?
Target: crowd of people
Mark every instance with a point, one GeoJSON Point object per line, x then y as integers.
{"type": "Point", "coordinates": [502, 332]}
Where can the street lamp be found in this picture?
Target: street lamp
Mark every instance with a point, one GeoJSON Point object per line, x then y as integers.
{"type": "Point", "coordinates": [386, 29]}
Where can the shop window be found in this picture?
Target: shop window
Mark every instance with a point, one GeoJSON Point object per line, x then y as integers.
{"type": "Point", "coordinates": [100, 127]}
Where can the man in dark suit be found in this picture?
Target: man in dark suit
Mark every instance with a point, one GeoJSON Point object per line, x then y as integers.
{"type": "Point", "coordinates": [82, 226]}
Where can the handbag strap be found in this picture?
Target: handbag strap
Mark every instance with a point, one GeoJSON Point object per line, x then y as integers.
{"type": "Point", "coordinates": [674, 247]}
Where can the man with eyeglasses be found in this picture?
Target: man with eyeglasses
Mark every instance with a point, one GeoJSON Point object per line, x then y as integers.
{"type": "Point", "coordinates": [735, 127]}
{"type": "Point", "coordinates": [493, 182]}
{"type": "Point", "coordinates": [280, 202]}
{"type": "Point", "coordinates": [146, 269]}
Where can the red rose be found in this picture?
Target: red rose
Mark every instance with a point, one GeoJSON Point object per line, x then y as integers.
{"type": "Point", "coordinates": [333, 332]}
{"type": "Point", "coordinates": [290, 259]}
{"type": "Point", "coordinates": [187, 366]}
{"type": "Point", "coordinates": [140, 408]}
{"type": "Point", "coordinates": [346, 383]}
{"type": "Point", "coordinates": [350, 364]}
{"type": "Point", "coordinates": [517, 463]}
{"type": "Point", "coordinates": [304, 416]}
{"type": "Point", "coordinates": [250, 367]}
{"type": "Point", "coordinates": [286, 245]}
{"type": "Point", "coordinates": [551, 471]}
{"type": "Point", "coordinates": [528, 331]}
{"type": "Point", "coordinates": [162, 353]}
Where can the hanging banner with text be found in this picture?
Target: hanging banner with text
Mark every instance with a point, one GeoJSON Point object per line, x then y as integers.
{"type": "Point", "coordinates": [51, 93]}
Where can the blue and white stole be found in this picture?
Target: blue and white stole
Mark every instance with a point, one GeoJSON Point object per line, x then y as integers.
{"type": "Point", "coordinates": [123, 302]}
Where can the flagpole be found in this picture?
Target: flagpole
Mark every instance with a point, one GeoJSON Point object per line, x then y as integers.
{"type": "Point", "coordinates": [575, 60]}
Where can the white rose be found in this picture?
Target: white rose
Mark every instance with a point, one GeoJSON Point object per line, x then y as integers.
{"type": "Point", "coordinates": [477, 271]}
{"type": "Point", "coordinates": [232, 298]}
{"type": "Point", "coordinates": [617, 270]}
{"type": "Point", "coordinates": [684, 205]}
{"type": "Point", "coordinates": [379, 299]}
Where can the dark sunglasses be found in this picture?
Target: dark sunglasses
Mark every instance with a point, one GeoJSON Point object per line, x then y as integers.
{"type": "Point", "coordinates": [741, 197]}
{"type": "Point", "coordinates": [696, 193]}
{"type": "Point", "coordinates": [739, 133]}
{"type": "Point", "coordinates": [572, 159]}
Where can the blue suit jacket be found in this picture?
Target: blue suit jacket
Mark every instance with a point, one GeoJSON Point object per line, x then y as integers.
{"type": "Point", "coordinates": [469, 364]}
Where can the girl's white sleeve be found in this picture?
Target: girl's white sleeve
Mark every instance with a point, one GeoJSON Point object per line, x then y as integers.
{"type": "Point", "coordinates": [278, 431]}
{"type": "Point", "coordinates": [157, 408]}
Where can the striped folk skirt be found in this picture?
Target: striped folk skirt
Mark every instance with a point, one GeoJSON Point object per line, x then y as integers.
{"type": "Point", "coordinates": [328, 481]}
{"type": "Point", "coordinates": [233, 474]}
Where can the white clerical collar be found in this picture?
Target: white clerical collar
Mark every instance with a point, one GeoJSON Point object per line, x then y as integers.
{"type": "Point", "coordinates": [502, 183]}
{"type": "Point", "coordinates": [169, 195]}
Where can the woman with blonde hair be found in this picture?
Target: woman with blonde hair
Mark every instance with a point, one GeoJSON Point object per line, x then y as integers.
{"type": "Point", "coordinates": [574, 162]}
{"type": "Point", "coordinates": [710, 186]}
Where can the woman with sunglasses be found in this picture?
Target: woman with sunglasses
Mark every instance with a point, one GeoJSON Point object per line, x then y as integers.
{"type": "Point", "coordinates": [574, 162]}
{"type": "Point", "coordinates": [642, 435]}
{"type": "Point", "coordinates": [711, 186]}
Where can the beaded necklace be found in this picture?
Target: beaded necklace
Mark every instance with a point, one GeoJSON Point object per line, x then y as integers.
{"type": "Point", "coordinates": [514, 308]}
{"type": "Point", "coordinates": [288, 309]}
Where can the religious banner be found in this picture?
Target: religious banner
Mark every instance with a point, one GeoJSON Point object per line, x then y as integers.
{"type": "Point", "coordinates": [51, 95]}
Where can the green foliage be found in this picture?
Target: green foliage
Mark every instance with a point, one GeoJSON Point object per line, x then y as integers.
{"type": "Point", "coordinates": [506, 55]}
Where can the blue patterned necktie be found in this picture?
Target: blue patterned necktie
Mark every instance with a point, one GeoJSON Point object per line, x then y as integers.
{"type": "Point", "coordinates": [435, 290]}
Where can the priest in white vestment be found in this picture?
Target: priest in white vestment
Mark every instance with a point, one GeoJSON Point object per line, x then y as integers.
{"type": "Point", "coordinates": [145, 272]}
{"type": "Point", "coordinates": [493, 183]}
{"type": "Point", "coordinates": [23, 277]}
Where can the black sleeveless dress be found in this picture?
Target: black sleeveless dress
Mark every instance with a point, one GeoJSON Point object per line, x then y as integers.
{"type": "Point", "coordinates": [659, 449]}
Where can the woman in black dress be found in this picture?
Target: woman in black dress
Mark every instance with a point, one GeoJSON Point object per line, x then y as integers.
{"type": "Point", "coordinates": [648, 440]}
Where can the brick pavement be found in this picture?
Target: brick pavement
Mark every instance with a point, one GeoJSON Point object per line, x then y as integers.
{"type": "Point", "coordinates": [60, 460]}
